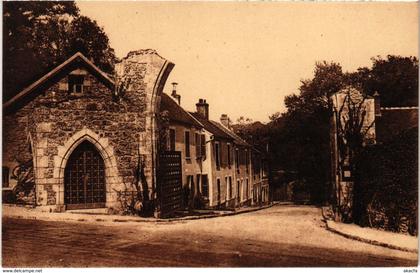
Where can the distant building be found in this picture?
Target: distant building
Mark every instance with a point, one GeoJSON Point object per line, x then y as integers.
{"type": "Point", "coordinates": [224, 171]}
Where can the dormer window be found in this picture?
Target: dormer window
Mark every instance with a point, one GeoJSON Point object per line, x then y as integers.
{"type": "Point", "coordinates": [76, 84]}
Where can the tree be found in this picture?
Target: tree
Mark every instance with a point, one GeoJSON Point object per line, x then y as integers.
{"type": "Point", "coordinates": [243, 120]}
{"type": "Point", "coordinates": [299, 138]}
{"type": "Point", "coordinates": [90, 39]}
{"type": "Point", "coordinates": [353, 129]}
{"type": "Point", "coordinates": [394, 78]}
{"type": "Point", "coordinates": [44, 34]}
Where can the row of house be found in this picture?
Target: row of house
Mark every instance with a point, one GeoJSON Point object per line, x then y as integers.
{"type": "Point", "coordinates": [86, 139]}
{"type": "Point", "coordinates": [219, 168]}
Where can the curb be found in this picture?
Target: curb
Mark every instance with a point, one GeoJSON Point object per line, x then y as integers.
{"type": "Point", "coordinates": [368, 241]}
{"type": "Point", "coordinates": [135, 220]}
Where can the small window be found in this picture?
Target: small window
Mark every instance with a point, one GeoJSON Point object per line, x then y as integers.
{"type": "Point", "coordinates": [187, 144]}
{"type": "Point", "coordinates": [172, 139]}
{"type": "Point", "coordinates": [75, 84]}
{"type": "Point", "coordinates": [5, 176]}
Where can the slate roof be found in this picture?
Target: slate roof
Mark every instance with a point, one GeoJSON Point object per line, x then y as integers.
{"type": "Point", "coordinates": [78, 59]}
{"type": "Point", "coordinates": [394, 120]}
{"type": "Point", "coordinates": [237, 139]}
{"type": "Point", "coordinates": [176, 112]}
{"type": "Point", "coordinates": [212, 128]}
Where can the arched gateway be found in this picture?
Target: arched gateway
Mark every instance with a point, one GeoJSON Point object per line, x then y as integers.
{"type": "Point", "coordinates": [84, 178]}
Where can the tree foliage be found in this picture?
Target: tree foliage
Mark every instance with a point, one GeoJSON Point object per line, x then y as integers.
{"type": "Point", "coordinates": [301, 144]}
{"type": "Point", "coordinates": [38, 35]}
{"type": "Point", "coordinates": [394, 78]}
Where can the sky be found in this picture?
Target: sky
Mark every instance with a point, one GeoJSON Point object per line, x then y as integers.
{"type": "Point", "coordinates": [245, 57]}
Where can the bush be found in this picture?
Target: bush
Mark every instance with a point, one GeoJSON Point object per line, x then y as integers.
{"type": "Point", "coordinates": [385, 193]}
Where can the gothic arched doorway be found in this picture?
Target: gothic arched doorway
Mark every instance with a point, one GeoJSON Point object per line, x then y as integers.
{"type": "Point", "coordinates": [84, 178]}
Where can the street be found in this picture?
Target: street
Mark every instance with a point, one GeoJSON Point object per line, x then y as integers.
{"type": "Point", "coordinates": [275, 237]}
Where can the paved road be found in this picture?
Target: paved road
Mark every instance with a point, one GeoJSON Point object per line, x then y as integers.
{"type": "Point", "coordinates": [278, 236]}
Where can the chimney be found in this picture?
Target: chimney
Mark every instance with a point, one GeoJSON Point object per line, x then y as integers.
{"type": "Point", "coordinates": [224, 119]}
{"type": "Point", "coordinates": [174, 94]}
{"type": "Point", "coordinates": [203, 108]}
{"type": "Point", "coordinates": [377, 100]}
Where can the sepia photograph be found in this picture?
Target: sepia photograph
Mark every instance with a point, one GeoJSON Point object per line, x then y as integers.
{"type": "Point", "coordinates": [209, 134]}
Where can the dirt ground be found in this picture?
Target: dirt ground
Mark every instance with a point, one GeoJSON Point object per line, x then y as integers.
{"type": "Point", "coordinates": [275, 237]}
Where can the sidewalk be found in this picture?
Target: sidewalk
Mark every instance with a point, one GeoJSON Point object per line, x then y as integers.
{"type": "Point", "coordinates": [35, 214]}
{"type": "Point", "coordinates": [374, 236]}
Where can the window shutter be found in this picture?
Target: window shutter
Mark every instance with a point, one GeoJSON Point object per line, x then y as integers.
{"type": "Point", "coordinates": [225, 154]}
{"type": "Point", "coordinates": [187, 144]}
{"type": "Point", "coordinates": [197, 146]}
{"type": "Point", "coordinates": [222, 154]}
{"type": "Point", "coordinates": [203, 146]}
{"type": "Point", "coordinates": [229, 155]}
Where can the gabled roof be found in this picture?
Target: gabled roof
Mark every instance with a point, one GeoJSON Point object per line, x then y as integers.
{"type": "Point", "coordinates": [237, 139]}
{"type": "Point", "coordinates": [176, 112]}
{"type": "Point", "coordinates": [209, 126]}
{"type": "Point", "coordinates": [394, 120]}
{"type": "Point", "coordinates": [77, 58]}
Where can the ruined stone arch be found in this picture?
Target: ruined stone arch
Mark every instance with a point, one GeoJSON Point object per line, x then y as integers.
{"type": "Point", "coordinates": [112, 178]}
{"type": "Point", "coordinates": [148, 73]}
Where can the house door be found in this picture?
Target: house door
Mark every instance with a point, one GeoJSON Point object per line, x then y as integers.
{"type": "Point", "coordinates": [84, 178]}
